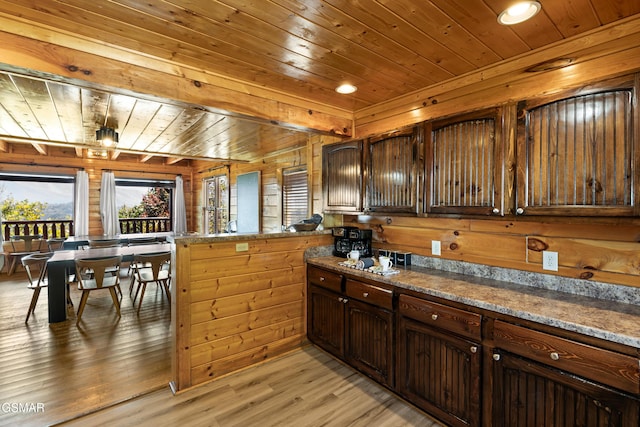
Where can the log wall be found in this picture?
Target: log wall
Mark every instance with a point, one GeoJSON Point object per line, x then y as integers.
{"type": "Point", "coordinates": [234, 308]}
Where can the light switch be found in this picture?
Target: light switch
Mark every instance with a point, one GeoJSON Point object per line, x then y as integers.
{"type": "Point", "coordinates": [435, 247]}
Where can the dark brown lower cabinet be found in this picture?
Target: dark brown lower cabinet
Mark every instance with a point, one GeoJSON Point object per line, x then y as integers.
{"type": "Point", "coordinates": [369, 346]}
{"type": "Point", "coordinates": [526, 393]}
{"type": "Point", "coordinates": [325, 320]}
{"type": "Point", "coordinates": [356, 325]}
{"type": "Point", "coordinates": [439, 372]}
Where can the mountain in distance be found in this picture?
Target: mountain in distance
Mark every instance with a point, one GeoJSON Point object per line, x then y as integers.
{"type": "Point", "coordinates": [58, 211]}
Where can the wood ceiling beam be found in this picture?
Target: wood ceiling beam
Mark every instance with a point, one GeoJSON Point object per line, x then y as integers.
{"type": "Point", "coordinates": [88, 63]}
{"type": "Point", "coordinates": [40, 148]}
{"type": "Point", "coordinates": [173, 160]}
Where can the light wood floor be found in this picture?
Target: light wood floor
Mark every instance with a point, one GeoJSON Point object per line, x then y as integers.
{"type": "Point", "coordinates": [115, 373]}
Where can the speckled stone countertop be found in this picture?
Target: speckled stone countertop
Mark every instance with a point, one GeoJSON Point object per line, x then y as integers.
{"type": "Point", "coordinates": [609, 319]}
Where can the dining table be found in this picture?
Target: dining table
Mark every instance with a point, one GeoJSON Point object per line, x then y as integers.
{"type": "Point", "coordinates": [63, 261]}
{"type": "Point", "coordinates": [76, 242]}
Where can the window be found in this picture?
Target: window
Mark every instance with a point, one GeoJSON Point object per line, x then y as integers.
{"type": "Point", "coordinates": [36, 204]}
{"type": "Point", "coordinates": [577, 153]}
{"type": "Point", "coordinates": [295, 205]}
{"type": "Point", "coordinates": [144, 206]}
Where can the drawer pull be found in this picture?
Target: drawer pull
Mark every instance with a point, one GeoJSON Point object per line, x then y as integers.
{"type": "Point", "coordinates": [496, 357]}
{"type": "Point", "coordinates": [322, 278]}
{"type": "Point", "coordinates": [340, 299]}
{"type": "Point", "coordinates": [434, 316]}
{"type": "Point", "coordinates": [473, 349]}
{"type": "Point", "coordinates": [554, 356]}
{"type": "Point", "coordinates": [345, 300]}
{"type": "Point", "coordinates": [365, 294]}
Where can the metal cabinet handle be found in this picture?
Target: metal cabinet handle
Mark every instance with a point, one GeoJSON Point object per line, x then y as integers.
{"type": "Point", "coordinates": [496, 211]}
{"type": "Point", "coordinates": [434, 316]}
{"type": "Point", "coordinates": [473, 349]}
{"type": "Point", "coordinates": [496, 357]}
{"type": "Point", "coordinates": [519, 211]}
{"type": "Point", "coordinates": [365, 294]}
{"type": "Point", "coordinates": [554, 356]}
{"type": "Point", "coordinates": [340, 299]}
{"type": "Point", "coordinates": [345, 300]}
{"type": "Point", "coordinates": [321, 279]}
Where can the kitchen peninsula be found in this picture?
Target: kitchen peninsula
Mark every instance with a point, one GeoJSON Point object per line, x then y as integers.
{"type": "Point", "coordinates": [237, 299]}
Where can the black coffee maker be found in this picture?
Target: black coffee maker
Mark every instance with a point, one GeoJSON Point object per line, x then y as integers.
{"type": "Point", "coordinates": [347, 239]}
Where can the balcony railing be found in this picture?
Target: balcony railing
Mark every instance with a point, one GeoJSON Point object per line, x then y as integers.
{"type": "Point", "coordinates": [51, 228]}
{"type": "Point", "coordinates": [61, 228]}
{"type": "Point", "coordinates": [144, 225]}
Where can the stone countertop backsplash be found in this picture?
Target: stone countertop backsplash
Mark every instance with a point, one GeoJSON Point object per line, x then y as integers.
{"type": "Point", "coordinates": [600, 310]}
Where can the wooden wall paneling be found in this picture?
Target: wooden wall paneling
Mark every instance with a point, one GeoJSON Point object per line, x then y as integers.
{"type": "Point", "coordinates": [587, 254]}
{"type": "Point", "coordinates": [243, 306]}
{"type": "Point", "coordinates": [181, 317]}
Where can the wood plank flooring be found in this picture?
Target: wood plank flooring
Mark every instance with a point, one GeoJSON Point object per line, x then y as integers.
{"type": "Point", "coordinates": [115, 372]}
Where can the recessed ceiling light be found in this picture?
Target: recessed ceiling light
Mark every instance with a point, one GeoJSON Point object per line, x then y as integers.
{"type": "Point", "coordinates": [346, 89]}
{"type": "Point", "coordinates": [519, 12]}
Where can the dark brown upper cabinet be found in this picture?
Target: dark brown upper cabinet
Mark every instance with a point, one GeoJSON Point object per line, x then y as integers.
{"type": "Point", "coordinates": [575, 152]}
{"type": "Point", "coordinates": [342, 178]}
{"type": "Point", "coordinates": [393, 164]}
{"type": "Point", "coordinates": [465, 164]}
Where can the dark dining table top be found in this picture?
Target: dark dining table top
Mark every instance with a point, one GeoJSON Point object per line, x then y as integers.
{"type": "Point", "coordinates": [74, 242]}
{"type": "Point", "coordinates": [125, 251]}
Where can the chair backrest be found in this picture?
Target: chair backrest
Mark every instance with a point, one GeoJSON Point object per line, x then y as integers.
{"type": "Point", "coordinates": [143, 241]}
{"type": "Point", "coordinates": [36, 267]}
{"type": "Point", "coordinates": [97, 267]}
{"type": "Point", "coordinates": [55, 244]}
{"type": "Point", "coordinates": [23, 243]}
{"type": "Point", "coordinates": [155, 262]}
{"type": "Point", "coordinates": [104, 243]}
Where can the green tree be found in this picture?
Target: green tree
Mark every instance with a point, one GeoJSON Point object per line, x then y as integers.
{"type": "Point", "coordinates": [131, 212]}
{"type": "Point", "coordinates": [23, 210]}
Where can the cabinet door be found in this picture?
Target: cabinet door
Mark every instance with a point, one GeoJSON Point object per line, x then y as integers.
{"type": "Point", "coordinates": [439, 372]}
{"type": "Point", "coordinates": [527, 393]}
{"type": "Point", "coordinates": [393, 163]}
{"type": "Point", "coordinates": [342, 177]}
{"type": "Point", "coordinates": [369, 345]}
{"type": "Point", "coordinates": [325, 319]}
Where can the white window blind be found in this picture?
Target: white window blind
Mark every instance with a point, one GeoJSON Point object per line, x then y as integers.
{"type": "Point", "coordinates": [294, 196]}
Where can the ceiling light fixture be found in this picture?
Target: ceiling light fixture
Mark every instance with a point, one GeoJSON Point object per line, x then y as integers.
{"type": "Point", "coordinates": [346, 89]}
{"type": "Point", "coordinates": [106, 136]}
{"type": "Point", "coordinates": [519, 12]}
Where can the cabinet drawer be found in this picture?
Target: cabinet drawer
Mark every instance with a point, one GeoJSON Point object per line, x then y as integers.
{"type": "Point", "coordinates": [602, 366]}
{"type": "Point", "coordinates": [325, 279]}
{"type": "Point", "coordinates": [369, 293]}
{"type": "Point", "coordinates": [451, 319]}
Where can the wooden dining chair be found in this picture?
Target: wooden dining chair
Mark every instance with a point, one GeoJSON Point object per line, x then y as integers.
{"type": "Point", "coordinates": [36, 267]}
{"type": "Point", "coordinates": [92, 274]}
{"type": "Point", "coordinates": [22, 246]}
{"type": "Point", "coordinates": [55, 244]}
{"type": "Point", "coordinates": [152, 268]}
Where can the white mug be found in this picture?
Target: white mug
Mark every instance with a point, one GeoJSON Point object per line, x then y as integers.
{"type": "Point", "coordinates": [385, 263]}
{"type": "Point", "coordinates": [354, 255]}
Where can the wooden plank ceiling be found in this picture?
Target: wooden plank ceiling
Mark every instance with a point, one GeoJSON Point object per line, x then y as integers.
{"type": "Point", "coordinates": [301, 48]}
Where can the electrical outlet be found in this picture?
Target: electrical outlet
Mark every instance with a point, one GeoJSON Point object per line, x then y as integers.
{"type": "Point", "coordinates": [242, 247]}
{"type": "Point", "coordinates": [435, 247]}
{"type": "Point", "coordinates": [550, 260]}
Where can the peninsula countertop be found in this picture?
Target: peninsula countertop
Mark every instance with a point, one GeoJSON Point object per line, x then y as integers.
{"type": "Point", "coordinates": [600, 318]}
{"type": "Point", "coordinates": [190, 238]}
